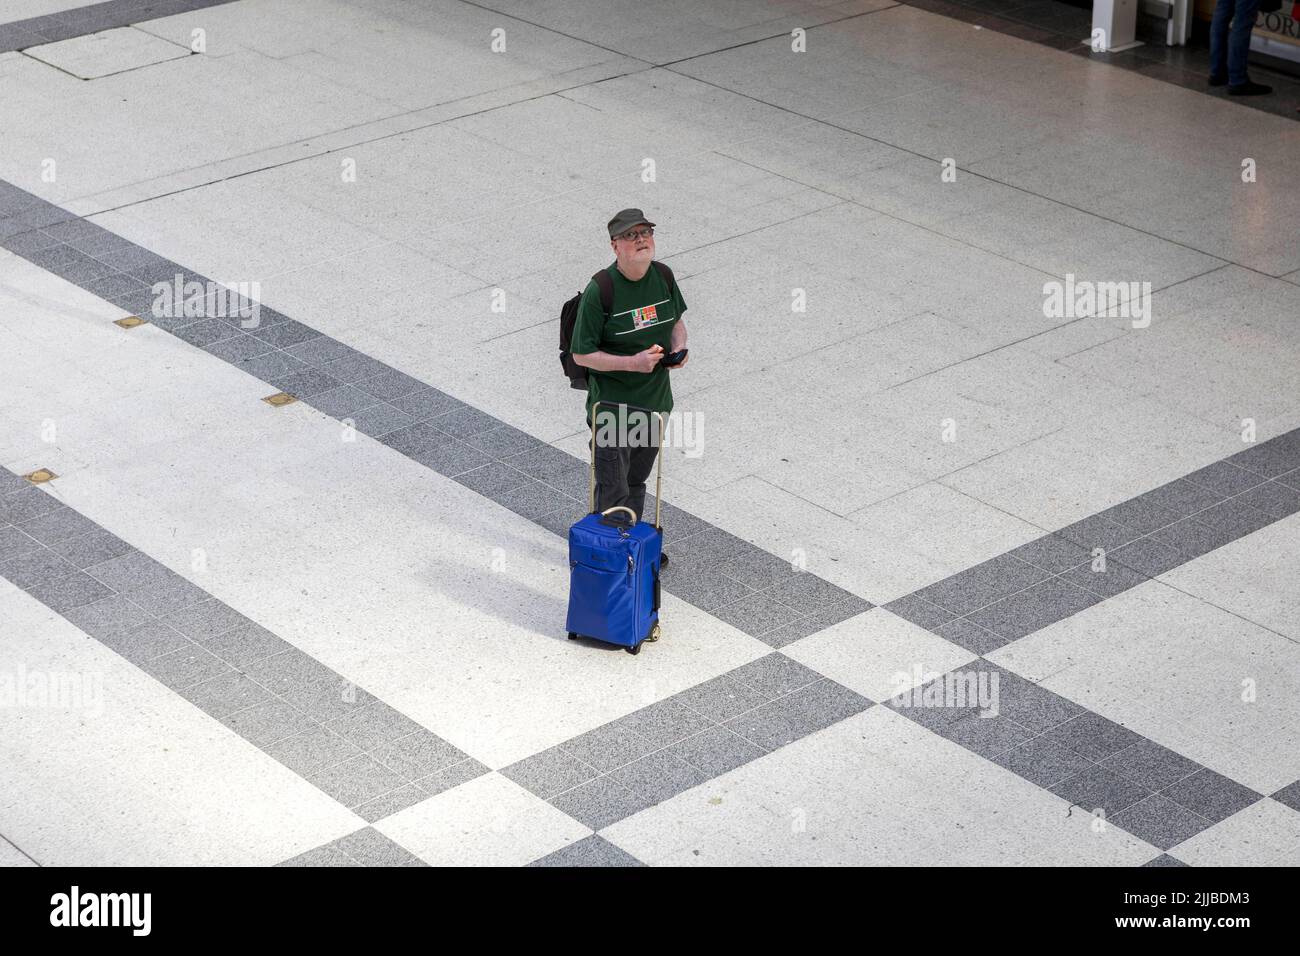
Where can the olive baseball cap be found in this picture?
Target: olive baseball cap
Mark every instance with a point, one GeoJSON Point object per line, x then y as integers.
{"type": "Point", "coordinates": [625, 220]}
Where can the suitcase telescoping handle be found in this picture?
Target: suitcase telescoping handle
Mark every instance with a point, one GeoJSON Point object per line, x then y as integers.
{"type": "Point", "coordinates": [659, 459]}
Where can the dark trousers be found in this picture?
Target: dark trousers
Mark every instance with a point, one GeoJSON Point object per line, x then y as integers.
{"type": "Point", "coordinates": [1228, 50]}
{"type": "Point", "coordinates": [621, 473]}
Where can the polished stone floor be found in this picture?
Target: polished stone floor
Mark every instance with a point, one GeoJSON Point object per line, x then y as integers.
{"type": "Point", "coordinates": [968, 569]}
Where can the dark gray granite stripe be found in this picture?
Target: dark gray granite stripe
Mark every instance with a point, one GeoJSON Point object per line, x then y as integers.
{"type": "Point", "coordinates": [81, 21]}
{"type": "Point", "coordinates": [363, 753]}
{"type": "Point", "coordinates": [646, 757]}
{"type": "Point", "coordinates": [1095, 763]}
{"type": "Point", "coordinates": [1289, 795]}
{"type": "Point", "coordinates": [365, 847]}
{"type": "Point", "coordinates": [659, 751]}
{"type": "Point", "coordinates": [595, 850]}
{"type": "Point", "coordinates": [369, 847]}
{"type": "Point", "coordinates": [1003, 599]}
{"type": "Point", "coordinates": [764, 596]}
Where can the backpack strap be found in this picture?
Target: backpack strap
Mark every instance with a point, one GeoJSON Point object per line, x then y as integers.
{"type": "Point", "coordinates": [605, 285]}
{"type": "Point", "coordinates": [667, 274]}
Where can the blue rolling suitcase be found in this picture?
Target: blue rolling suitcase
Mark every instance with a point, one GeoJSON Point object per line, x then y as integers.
{"type": "Point", "coordinates": [614, 572]}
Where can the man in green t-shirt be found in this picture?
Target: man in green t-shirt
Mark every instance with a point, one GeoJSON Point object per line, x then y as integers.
{"type": "Point", "coordinates": [623, 356]}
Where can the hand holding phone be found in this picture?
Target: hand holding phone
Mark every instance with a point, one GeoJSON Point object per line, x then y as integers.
{"type": "Point", "coordinates": [674, 359]}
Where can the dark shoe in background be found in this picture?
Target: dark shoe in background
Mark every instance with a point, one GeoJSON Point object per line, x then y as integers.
{"type": "Point", "coordinates": [663, 559]}
{"type": "Point", "coordinates": [1250, 88]}
{"type": "Point", "coordinates": [1218, 80]}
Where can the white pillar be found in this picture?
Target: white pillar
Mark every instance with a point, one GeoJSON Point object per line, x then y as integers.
{"type": "Point", "coordinates": [1114, 25]}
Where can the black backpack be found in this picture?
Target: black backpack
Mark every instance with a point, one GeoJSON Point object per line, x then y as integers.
{"type": "Point", "coordinates": [576, 373]}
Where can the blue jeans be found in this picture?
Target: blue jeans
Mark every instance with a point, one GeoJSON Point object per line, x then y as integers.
{"type": "Point", "coordinates": [1228, 51]}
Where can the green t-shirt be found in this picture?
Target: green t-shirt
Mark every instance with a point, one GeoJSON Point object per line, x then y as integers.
{"type": "Point", "coordinates": [643, 314]}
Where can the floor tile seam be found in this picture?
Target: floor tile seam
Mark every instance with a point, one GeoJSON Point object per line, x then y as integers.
{"type": "Point", "coordinates": [576, 459]}
{"type": "Point", "coordinates": [56, 14]}
{"type": "Point", "coordinates": [1093, 765]}
{"type": "Point", "coordinates": [593, 835]}
{"type": "Point", "coordinates": [274, 699]}
{"type": "Point", "coordinates": [273, 696]}
{"type": "Point", "coordinates": [282, 350]}
{"type": "Point", "coordinates": [757, 136]}
{"type": "Point", "coordinates": [1141, 536]}
{"type": "Point", "coordinates": [431, 421]}
{"type": "Point", "coordinates": [387, 242]}
{"type": "Point", "coordinates": [649, 753]}
{"type": "Point", "coordinates": [993, 180]}
{"type": "Point", "coordinates": [810, 119]}
{"type": "Point", "coordinates": [407, 782]}
{"type": "Point", "coordinates": [932, 229]}
{"type": "Point", "coordinates": [1150, 577]}
{"type": "Point", "coordinates": [750, 592]}
{"type": "Point", "coordinates": [802, 617]}
{"type": "Point", "coordinates": [335, 845]}
{"type": "Point", "coordinates": [1017, 342]}
{"type": "Point", "coordinates": [53, 66]}
{"type": "Point", "coordinates": [319, 724]}
{"type": "Point", "coordinates": [25, 854]}
{"type": "Point", "coordinates": [1201, 598]}
{"type": "Point", "coordinates": [604, 773]}
{"type": "Point", "coordinates": [348, 146]}
{"type": "Point", "coordinates": [1147, 391]}
{"type": "Point", "coordinates": [714, 725]}
{"type": "Point", "coordinates": [778, 36]}
{"type": "Point", "coordinates": [707, 776]}
{"type": "Point", "coordinates": [367, 142]}
{"type": "Point", "coordinates": [1088, 712]}
{"type": "Point", "coordinates": [728, 380]}
{"type": "Point", "coordinates": [947, 477]}
{"type": "Point", "coordinates": [992, 20]}
{"type": "Point", "coordinates": [547, 482]}
{"type": "Point", "coordinates": [968, 618]}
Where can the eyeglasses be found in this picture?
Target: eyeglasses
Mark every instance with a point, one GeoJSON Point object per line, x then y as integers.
{"type": "Point", "coordinates": [634, 234]}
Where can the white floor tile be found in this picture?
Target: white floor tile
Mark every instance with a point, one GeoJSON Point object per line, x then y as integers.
{"type": "Point", "coordinates": [1174, 668]}
{"type": "Point", "coordinates": [1264, 834]}
{"type": "Point", "coordinates": [130, 774]}
{"type": "Point", "coordinates": [489, 821]}
{"type": "Point", "coordinates": [870, 790]}
{"type": "Point", "coordinates": [878, 654]}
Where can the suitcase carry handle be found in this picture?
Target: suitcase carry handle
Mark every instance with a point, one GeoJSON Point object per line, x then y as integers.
{"type": "Point", "coordinates": [605, 513]}
{"type": "Point", "coordinates": [659, 458]}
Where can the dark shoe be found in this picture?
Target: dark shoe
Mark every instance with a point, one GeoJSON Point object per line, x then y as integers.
{"type": "Point", "coordinates": [1218, 80]}
{"type": "Point", "coordinates": [663, 559]}
{"type": "Point", "coordinates": [1250, 88]}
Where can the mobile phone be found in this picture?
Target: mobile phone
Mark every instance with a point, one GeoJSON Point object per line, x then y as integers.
{"type": "Point", "coordinates": [673, 358]}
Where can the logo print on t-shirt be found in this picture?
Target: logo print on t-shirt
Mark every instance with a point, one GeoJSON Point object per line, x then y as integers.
{"type": "Point", "coordinates": [643, 317]}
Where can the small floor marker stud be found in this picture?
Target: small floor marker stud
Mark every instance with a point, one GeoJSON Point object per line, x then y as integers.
{"type": "Point", "coordinates": [40, 476]}
{"type": "Point", "coordinates": [280, 399]}
{"type": "Point", "coordinates": [130, 322]}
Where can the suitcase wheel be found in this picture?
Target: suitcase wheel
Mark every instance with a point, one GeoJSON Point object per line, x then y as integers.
{"type": "Point", "coordinates": [653, 635]}
{"type": "Point", "coordinates": [572, 636]}
{"type": "Point", "coordinates": [634, 649]}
